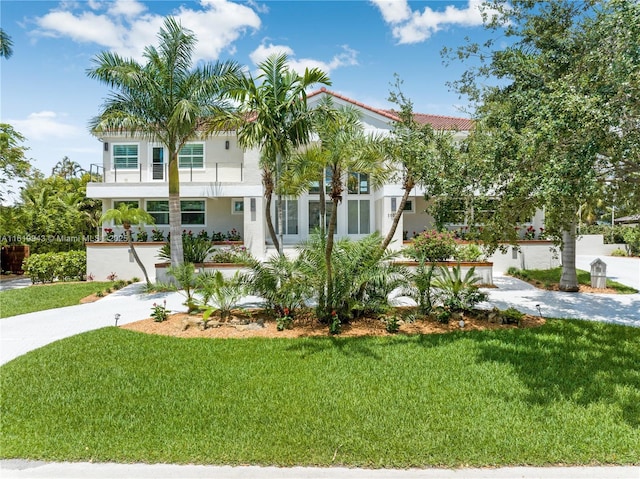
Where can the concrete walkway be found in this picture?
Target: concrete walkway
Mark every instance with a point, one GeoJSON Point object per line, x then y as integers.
{"type": "Point", "coordinates": [11, 469]}
{"type": "Point", "coordinates": [24, 333]}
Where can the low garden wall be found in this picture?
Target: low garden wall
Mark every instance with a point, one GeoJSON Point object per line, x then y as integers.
{"type": "Point", "coordinates": [483, 269]}
{"type": "Point", "coordinates": [227, 269]}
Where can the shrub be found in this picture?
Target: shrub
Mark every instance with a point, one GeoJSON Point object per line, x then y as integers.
{"type": "Point", "coordinates": [195, 249]}
{"type": "Point", "coordinates": [157, 235]}
{"type": "Point", "coordinates": [618, 252]}
{"type": "Point", "coordinates": [432, 245]}
{"type": "Point", "coordinates": [159, 313]}
{"type": "Point", "coordinates": [233, 255]}
{"type": "Point", "coordinates": [47, 267]}
{"type": "Point", "coordinates": [219, 293]}
{"type": "Point", "coordinates": [457, 292]}
{"type": "Point", "coordinates": [631, 236]}
{"type": "Point", "coordinates": [142, 236]}
{"type": "Point", "coordinates": [468, 252]}
{"type": "Point", "coordinates": [511, 316]}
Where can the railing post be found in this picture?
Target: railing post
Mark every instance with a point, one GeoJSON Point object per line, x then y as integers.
{"type": "Point", "coordinates": [241, 172]}
{"type": "Point", "coordinates": [140, 169]}
{"type": "Point", "coordinates": [191, 172]}
{"type": "Point", "coordinates": [115, 173]}
{"type": "Point", "coordinates": [216, 171]}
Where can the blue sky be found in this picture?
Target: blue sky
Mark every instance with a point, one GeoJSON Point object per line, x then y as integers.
{"type": "Point", "coordinates": [47, 96]}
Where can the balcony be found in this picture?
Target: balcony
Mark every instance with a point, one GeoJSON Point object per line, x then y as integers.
{"type": "Point", "coordinates": [218, 172]}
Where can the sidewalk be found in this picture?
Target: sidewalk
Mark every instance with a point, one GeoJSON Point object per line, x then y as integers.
{"type": "Point", "coordinates": [15, 469]}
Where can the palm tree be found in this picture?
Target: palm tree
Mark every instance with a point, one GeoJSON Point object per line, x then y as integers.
{"type": "Point", "coordinates": [126, 216]}
{"type": "Point", "coordinates": [275, 118]}
{"type": "Point", "coordinates": [66, 168]}
{"type": "Point", "coordinates": [343, 147]}
{"type": "Point", "coordinates": [6, 45]}
{"type": "Point", "coordinates": [164, 100]}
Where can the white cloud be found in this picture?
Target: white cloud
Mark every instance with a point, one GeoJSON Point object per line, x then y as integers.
{"type": "Point", "coordinates": [393, 11]}
{"type": "Point", "coordinates": [45, 125]}
{"type": "Point", "coordinates": [126, 27]}
{"type": "Point", "coordinates": [414, 26]}
{"type": "Point", "coordinates": [347, 57]}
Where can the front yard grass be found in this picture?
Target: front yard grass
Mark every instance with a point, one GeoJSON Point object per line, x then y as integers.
{"type": "Point", "coordinates": [48, 296]}
{"type": "Point", "coordinates": [549, 277]}
{"type": "Point", "coordinates": [564, 393]}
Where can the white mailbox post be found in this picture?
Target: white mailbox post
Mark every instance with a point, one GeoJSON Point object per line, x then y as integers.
{"type": "Point", "coordinates": [598, 274]}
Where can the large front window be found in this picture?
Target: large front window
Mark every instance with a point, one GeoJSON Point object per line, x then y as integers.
{"type": "Point", "coordinates": [192, 212]}
{"type": "Point", "coordinates": [159, 210]}
{"type": "Point", "coordinates": [359, 217]}
{"type": "Point", "coordinates": [191, 156]}
{"type": "Point", "coordinates": [314, 215]}
{"type": "Point", "coordinates": [125, 157]}
{"type": "Point", "coordinates": [289, 217]}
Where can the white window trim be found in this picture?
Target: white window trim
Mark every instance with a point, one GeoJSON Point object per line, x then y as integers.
{"type": "Point", "coordinates": [234, 202]}
{"type": "Point", "coordinates": [165, 162]}
{"type": "Point", "coordinates": [413, 206]}
{"type": "Point", "coordinates": [113, 161]}
{"type": "Point", "coordinates": [204, 157]}
{"type": "Point", "coordinates": [146, 204]}
{"type": "Point", "coordinates": [204, 211]}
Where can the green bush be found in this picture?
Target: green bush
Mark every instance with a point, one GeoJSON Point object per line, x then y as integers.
{"type": "Point", "coordinates": [469, 252]}
{"type": "Point", "coordinates": [432, 245]}
{"type": "Point", "coordinates": [631, 236]}
{"type": "Point", "coordinates": [195, 249]}
{"type": "Point", "coordinates": [618, 252]}
{"type": "Point", "coordinates": [611, 234]}
{"type": "Point", "coordinates": [47, 267]}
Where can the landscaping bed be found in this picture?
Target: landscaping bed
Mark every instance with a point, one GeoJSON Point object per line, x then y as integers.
{"type": "Point", "coordinates": [307, 325]}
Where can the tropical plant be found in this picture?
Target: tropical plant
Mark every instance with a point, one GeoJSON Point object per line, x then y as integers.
{"type": "Point", "coordinates": [632, 238]}
{"type": "Point", "coordinates": [468, 252]}
{"type": "Point", "coordinates": [164, 100]}
{"type": "Point", "coordinates": [273, 115]}
{"type": "Point", "coordinates": [185, 275]}
{"type": "Point", "coordinates": [126, 215]}
{"type": "Point", "coordinates": [13, 164]}
{"type": "Point", "coordinates": [281, 282]}
{"type": "Point", "coordinates": [418, 286]}
{"type": "Point", "coordinates": [458, 292]}
{"type": "Point", "coordinates": [362, 281]}
{"type": "Point", "coordinates": [6, 44]}
{"type": "Point", "coordinates": [195, 249]}
{"type": "Point", "coordinates": [66, 168]}
{"type": "Point", "coordinates": [220, 294]}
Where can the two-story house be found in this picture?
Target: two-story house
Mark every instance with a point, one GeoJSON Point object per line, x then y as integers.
{"type": "Point", "coordinates": [221, 189]}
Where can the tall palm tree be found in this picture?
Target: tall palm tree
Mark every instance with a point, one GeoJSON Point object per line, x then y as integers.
{"type": "Point", "coordinates": [343, 147]}
{"type": "Point", "coordinates": [67, 168]}
{"type": "Point", "coordinates": [275, 118]}
{"type": "Point", "coordinates": [6, 45]}
{"type": "Point", "coordinates": [165, 100]}
{"type": "Point", "coordinates": [125, 215]}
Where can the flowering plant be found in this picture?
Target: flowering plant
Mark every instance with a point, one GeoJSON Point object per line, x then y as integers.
{"type": "Point", "coordinates": [159, 313]}
{"type": "Point", "coordinates": [157, 235]}
{"type": "Point", "coordinates": [432, 245]}
{"type": "Point", "coordinates": [109, 235]}
{"type": "Point", "coordinates": [530, 233]}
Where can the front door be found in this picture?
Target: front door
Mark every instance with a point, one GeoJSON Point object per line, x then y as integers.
{"type": "Point", "coordinates": [157, 165]}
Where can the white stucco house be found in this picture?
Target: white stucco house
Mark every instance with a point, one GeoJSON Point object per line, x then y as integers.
{"type": "Point", "coordinates": [221, 191]}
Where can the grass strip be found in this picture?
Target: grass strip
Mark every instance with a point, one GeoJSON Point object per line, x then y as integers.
{"type": "Point", "coordinates": [564, 393]}
{"type": "Point", "coordinates": [548, 277]}
{"type": "Point", "coordinates": [48, 296]}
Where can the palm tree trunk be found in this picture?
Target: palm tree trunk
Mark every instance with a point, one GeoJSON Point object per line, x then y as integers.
{"type": "Point", "coordinates": [175, 216]}
{"type": "Point", "coordinates": [327, 256]}
{"type": "Point", "coordinates": [136, 257]}
{"type": "Point", "coordinates": [569, 278]}
{"type": "Point", "coordinates": [267, 181]}
{"type": "Point", "coordinates": [280, 204]}
{"type": "Point", "coordinates": [408, 186]}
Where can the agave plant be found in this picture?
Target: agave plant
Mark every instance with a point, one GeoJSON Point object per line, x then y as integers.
{"type": "Point", "coordinates": [457, 292]}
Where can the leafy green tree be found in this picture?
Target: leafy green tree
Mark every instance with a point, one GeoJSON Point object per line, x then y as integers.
{"type": "Point", "coordinates": [6, 45]}
{"type": "Point", "coordinates": [559, 120]}
{"type": "Point", "coordinates": [274, 117]}
{"type": "Point", "coordinates": [165, 100]}
{"type": "Point", "coordinates": [13, 164]}
{"type": "Point", "coordinates": [417, 153]}
{"type": "Point", "coordinates": [125, 215]}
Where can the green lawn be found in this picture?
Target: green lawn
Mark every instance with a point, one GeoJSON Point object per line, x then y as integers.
{"type": "Point", "coordinates": [564, 393]}
{"type": "Point", "coordinates": [48, 296]}
{"type": "Point", "coordinates": [547, 277]}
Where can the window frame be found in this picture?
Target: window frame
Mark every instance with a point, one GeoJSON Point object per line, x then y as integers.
{"type": "Point", "coordinates": [191, 167]}
{"type": "Point", "coordinates": [203, 212]}
{"type": "Point", "coordinates": [237, 206]}
{"type": "Point", "coordinates": [151, 212]}
{"type": "Point", "coordinates": [113, 157]}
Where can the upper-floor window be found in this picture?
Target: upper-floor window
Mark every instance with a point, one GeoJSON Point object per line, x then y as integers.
{"type": "Point", "coordinates": [125, 157]}
{"type": "Point", "coordinates": [131, 203]}
{"type": "Point", "coordinates": [191, 156]}
{"type": "Point", "coordinates": [358, 184]}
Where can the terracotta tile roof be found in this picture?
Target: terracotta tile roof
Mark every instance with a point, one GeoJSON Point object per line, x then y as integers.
{"type": "Point", "coordinates": [438, 122]}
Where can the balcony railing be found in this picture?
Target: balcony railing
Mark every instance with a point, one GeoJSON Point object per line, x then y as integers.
{"type": "Point", "coordinates": [219, 172]}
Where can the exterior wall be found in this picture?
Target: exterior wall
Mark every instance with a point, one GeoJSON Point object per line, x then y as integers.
{"type": "Point", "coordinates": [594, 245]}
{"type": "Point", "coordinates": [527, 255]}
{"type": "Point", "coordinates": [104, 259]}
